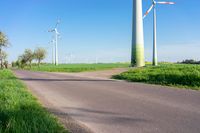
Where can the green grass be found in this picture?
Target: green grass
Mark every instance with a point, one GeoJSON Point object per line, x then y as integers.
{"type": "Point", "coordinates": [76, 67]}
{"type": "Point", "coordinates": [20, 112]}
{"type": "Point", "coordinates": [178, 75]}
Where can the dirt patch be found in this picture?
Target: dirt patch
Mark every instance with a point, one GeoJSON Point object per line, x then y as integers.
{"type": "Point", "coordinates": [103, 74]}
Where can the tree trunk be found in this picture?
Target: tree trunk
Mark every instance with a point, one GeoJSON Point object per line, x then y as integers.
{"type": "Point", "coordinates": [30, 63]}
{"type": "Point", "coordinates": [39, 63]}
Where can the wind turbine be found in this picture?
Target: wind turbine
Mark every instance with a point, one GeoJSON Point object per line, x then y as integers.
{"type": "Point", "coordinates": [96, 60]}
{"type": "Point", "coordinates": [153, 6]}
{"type": "Point", "coordinates": [55, 30]}
{"type": "Point", "coordinates": [68, 58]}
{"type": "Point", "coordinates": [137, 57]}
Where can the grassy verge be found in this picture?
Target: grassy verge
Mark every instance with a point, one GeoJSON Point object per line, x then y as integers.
{"type": "Point", "coordinates": [77, 67]}
{"type": "Point", "coordinates": [178, 75]}
{"type": "Point", "coordinates": [19, 110]}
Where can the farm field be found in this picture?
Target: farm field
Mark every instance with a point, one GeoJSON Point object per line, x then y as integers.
{"type": "Point", "coordinates": [20, 112]}
{"type": "Point", "coordinates": [77, 67]}
{"type": "Point", "coordinates": [169, 74]}
{"type": "Point", "coordinates": [176, 75]}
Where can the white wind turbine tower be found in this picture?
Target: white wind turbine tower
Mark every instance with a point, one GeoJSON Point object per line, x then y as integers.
{"type": "Point", "coordinates": [53, 49]}
{"type": "Point", "coordinates": [137, 54]}
{"type": "Point", "coordinates": [153, 6]}
{"type": "Point", "coordinates": [55, 30]}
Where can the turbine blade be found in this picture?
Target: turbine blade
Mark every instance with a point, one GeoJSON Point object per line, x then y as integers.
{"type": "Point", "coordinates": [57, 23]}
{"type": "Point", "coordinates": [165, 2]}
{"type": "Point", "coordinates": [51, 30]}
{"type": "Point", "coordinates": [148, 11]}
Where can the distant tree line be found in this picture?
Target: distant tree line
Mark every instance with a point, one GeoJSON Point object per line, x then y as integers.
{"type": "Point", "coordinates": [189, 61]}
{"type": "Point", "coordinates": [3, 55]}
{"type": "Point", "coordinates": [28, 56]}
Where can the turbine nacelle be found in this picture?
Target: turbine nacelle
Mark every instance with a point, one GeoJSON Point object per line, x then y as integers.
{"type": "Point", "coordinates": [54, 30]}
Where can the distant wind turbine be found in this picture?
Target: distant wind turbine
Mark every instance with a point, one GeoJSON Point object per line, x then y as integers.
{"type": "Point", "coordinates": [96, 60]}
{"type": "Point", "coordinates": [153, 6]}
{"type": "Point", "coordinates": [55, 30]}
{"type": "Point", "coordinates": [68, 58]}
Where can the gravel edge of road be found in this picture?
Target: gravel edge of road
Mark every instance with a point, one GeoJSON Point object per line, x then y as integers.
{"type": "Point", "coordinates": [68, 122]}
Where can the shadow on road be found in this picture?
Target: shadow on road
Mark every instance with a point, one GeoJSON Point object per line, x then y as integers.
{"type": "Point", "coordinates": [98, 116]}
{"type": "Point", "coordinates": [63, 80]}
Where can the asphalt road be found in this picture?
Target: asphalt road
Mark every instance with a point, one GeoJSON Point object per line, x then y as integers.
{"type": "Point", "coordinates": [107, 106]}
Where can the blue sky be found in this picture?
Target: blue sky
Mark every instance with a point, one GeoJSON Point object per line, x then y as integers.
{"type": "Point", "coordinates": [100, 29]}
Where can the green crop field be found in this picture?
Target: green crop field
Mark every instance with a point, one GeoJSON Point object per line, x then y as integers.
{"type": "Point", "coordinates": [76, 67]}
{"type": "Point", "coordinates": [20, 112]}
{"type": "Point", "coordinates": [178, 75]}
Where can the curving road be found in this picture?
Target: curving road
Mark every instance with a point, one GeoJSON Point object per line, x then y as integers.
{"type": "Point", "coordinates": [108, 106]}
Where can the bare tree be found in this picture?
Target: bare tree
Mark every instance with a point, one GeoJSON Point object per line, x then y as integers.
{"type": "Point", "coordinates": [3, 43]}
{"type": "Point", "coordinates": [29, 56]}
{"type": "Point", "coordinates": [3, 57]}
{"type": "Point", "coordinates": [23, 60]}
{"type": "Point", "coordinates": [40, 54]}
